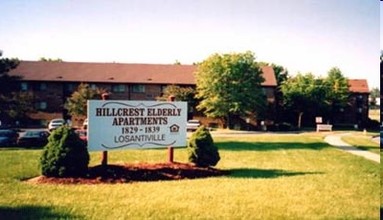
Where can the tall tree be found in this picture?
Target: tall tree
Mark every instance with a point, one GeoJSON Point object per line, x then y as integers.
{"type": "Point", "coordinates": [337, 85]}
{"type": "Point", "coordinates": [230, 84]}
{"type": "Point", "coordinates": [77, 103]}
{"type": "Point", "coordinates": [303, 94]}
{"type": "Point", "coordinates": [6, 65]}
{"type": "Point", "coordinates": [337, 92]}
{"type": "Point", "coordinates": [14, 104]}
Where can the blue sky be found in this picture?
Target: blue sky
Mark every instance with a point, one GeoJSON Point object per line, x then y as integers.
{"type": "Point", "coordinates": [301, 35]}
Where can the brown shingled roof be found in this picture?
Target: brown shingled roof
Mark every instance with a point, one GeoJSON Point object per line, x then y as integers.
{"type": "Point", "coordinates": [105, 72]}
{"type": "Point", "coordinates": [358, 86]}
{"type": "Point", "coordinates": [116, 73]}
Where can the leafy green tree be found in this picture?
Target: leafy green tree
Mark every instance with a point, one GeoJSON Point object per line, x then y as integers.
{"type": "Point", "coordinates": [181, 94]}
{"type": "Point", "coordinates": [6, 81]}
{"type": "Point", "coordinates": [304, 93]}
{"type": "Point", "coordinates": [338, 91]}
{"type": "Point", "coordinates": [14, 104]}
{"type": "Point", "coordinates": [374, 94]}
{"type": "Point", "coordinates": [185, 94]}
{"type": "Point", "coordinates": [18, 105]}
{"type": "Point", "coordinates": [77, 103]}
{"type": "Point", "coordinates": [230, 85]}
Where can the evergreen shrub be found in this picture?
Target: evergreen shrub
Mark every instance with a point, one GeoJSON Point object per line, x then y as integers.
{"type": "Point", "coordinates": [201, 148]}
{"type": "Point", "coordinates": [65, 155]}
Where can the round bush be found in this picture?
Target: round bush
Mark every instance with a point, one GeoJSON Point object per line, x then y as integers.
{"type": "Point", "coordinates": [65, 155]}
{"type": "Point", "coordinates": [201, 148]}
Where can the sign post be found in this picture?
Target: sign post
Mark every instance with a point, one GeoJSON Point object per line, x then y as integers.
{"type": "Point", "coordinates": [171, 98]}
{"type": "Point", "coordinates": [104, 160]}
{"type": "Point", "coordinates": [118, 125]}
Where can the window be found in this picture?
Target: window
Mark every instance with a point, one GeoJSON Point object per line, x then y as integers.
{"type": "Point", "coordinates": [69, 87]}
{"type": "Point", "coordinates": [138, 88]}
{"type": "Point", "coordinates": [24, 86]}
{"type": "Point", "coordinates": [42, 87]}
{"type": "Point", "coordinates": [93, 86]}
{"type": "Point", "coordinates": [119, 88]}
{"type": "Point", "coordinates": [41, 105]}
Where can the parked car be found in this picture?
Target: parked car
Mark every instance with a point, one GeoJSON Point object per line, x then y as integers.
{"type": "Point", "coordinates": [33, 138]}
{"type": "Point", "coordinates": [192, 125]}
{"type": "Point", "coordinates": [55, 123]}
{"type": "Point", "coordinates": [8, 137]}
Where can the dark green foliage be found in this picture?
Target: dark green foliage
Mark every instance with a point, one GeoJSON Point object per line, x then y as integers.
{"type": "Point", "coordinates": [65, 155]}
{"type": "Point", "coordinates": [230, 85]}
{"type": "Point", "coordinates": [201, 148]}
{"type": "Point", "coordinates": [14, 104]}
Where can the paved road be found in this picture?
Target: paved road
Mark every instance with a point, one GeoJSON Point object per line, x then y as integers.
{"type": "Point", "coordinates": [336, 141]}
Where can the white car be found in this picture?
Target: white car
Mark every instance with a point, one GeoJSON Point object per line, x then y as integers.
{"type": "Point", "coordinates": [55, 123]}
{"type": "Point", "coordinates": [192, 125]}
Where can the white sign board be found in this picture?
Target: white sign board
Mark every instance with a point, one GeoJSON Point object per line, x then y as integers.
{"type": "Point", "coordinates": [114, 124]}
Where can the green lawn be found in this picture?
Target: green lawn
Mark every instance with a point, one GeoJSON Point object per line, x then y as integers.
{"type": "Point", "coordinates": [272, 177]}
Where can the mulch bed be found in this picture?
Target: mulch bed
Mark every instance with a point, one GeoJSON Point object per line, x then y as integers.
{"type": "Point", "coordinates": [136, 172]}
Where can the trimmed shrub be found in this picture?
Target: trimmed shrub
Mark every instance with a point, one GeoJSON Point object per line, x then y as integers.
{"type": "Point", "coordinates": [65, 155]}
{"type": "Point", "coordinates": [201, 148]}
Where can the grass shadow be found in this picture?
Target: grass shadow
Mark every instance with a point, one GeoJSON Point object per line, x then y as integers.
{"type": "Point", "coordinates": [366, 148]}
{"type": "Point", "coordinates": [264, 146]}
{"type": "Point", "coordinates": [264, 173]}
{"type": "Point", "coordinates": [34, 212]}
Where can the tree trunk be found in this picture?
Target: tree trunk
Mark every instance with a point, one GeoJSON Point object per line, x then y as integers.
{"type": "Point", "coordinates": [300, 119]}
{"type": "Point", "coordinates": [224, 122]}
